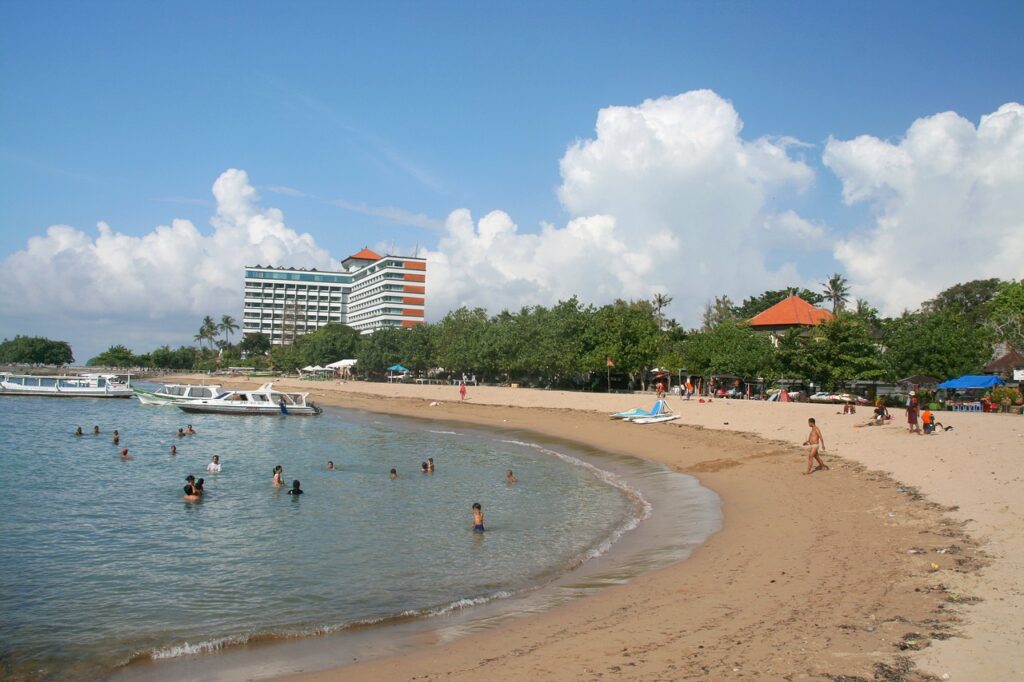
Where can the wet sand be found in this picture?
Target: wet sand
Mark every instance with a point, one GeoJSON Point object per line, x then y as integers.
{"type": "Point", "coordinates": [843, 572]}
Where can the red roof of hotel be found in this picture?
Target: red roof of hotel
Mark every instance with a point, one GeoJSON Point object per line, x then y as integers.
{"type": "Point", "coordinates": [365, 254]}
{"type": "Point", "coordinates": [792, 311]}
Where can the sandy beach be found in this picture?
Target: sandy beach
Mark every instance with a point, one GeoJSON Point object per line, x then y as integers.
{"type": "Point", "coordinates": [904, 560]}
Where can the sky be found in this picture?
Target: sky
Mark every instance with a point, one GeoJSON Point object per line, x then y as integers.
{"type": "Point", "coordinates": [531, 151]}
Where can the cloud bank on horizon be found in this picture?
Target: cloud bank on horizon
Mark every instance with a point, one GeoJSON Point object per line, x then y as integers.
{"type": "Point", "coordinates": [666, 197]}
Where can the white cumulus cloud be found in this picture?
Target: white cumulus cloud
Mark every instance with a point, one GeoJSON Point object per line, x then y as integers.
{"type": "Point", "coordinates": [174, 271]}
{"type": "Point", "coordinates": [947, 202]}
{"type": "Point", "coordinates": [666, 197]}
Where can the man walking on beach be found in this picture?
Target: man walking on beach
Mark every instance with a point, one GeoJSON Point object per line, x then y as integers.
{"type": "Point", "coordinates": [814, 440]}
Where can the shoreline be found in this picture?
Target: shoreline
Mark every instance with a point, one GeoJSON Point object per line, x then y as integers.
{"type": "Point", "coordinates": [810, 576]}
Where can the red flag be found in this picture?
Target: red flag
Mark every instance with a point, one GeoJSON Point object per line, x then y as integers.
{"type": "Point", "coordinates": [610, 363]}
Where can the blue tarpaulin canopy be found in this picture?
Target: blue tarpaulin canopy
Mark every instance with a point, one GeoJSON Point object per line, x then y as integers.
{"type": "Point", "coordinates": [973, 381]}
{"type": "Point", "coordinates": [397, 368]}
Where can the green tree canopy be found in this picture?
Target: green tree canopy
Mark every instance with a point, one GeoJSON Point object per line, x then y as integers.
{"type": "Point", "coordinates": [115, 356]}
{"type": "Point", "coordinates": [35, 350]}
{"type": "Point", "coordinates": [834, 352]}
{"type": "Point", "coordinates": [942, 345]}
{"type": "Point", "coordinates": [1006, 314]}
{"type": "Point", "coordinates": [730, 348]}
{"type": "Point", "coordinates": [328, 344]}
{"type": "Point", "coordinates": [970, 299]}
{"type": "Point", "coordinates": [628, 333]}
{"type": "Point", "coordinates": [255, 344]}
{"type": "Point", "coordinates": [458, 340]}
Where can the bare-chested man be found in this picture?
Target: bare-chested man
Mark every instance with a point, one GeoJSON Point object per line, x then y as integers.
{"type": "Point", "coordinates": [816, 441]}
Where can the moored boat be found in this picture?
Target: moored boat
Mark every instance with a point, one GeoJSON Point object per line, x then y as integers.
{"type": "Point", "coordinates": [77, 386]}
{"type": "Point", "coordinates": [262, 401]}
{"type": "Point", "coordinates": [168, 394]}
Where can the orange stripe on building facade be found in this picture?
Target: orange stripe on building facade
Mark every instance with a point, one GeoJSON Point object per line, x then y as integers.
{"type": "Point", "coordinates": [414, 278]}
{"type": "Point", "coordinates": [415, 265]}
{"type": "Point", "coordinates": [412, 323]}
{"type": "Point", "coordinates": [413, 289]}
{"type": "Point", "coordinates": [411, 312]}
{"type": "Point", "coordinates": [411, 300]}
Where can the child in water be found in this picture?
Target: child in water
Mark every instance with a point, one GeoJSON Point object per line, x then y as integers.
{"type": "Point", "coordinates": [478, 518]}
{"type": "Point", "coordinates": [296, 490]}
{"type": "Point", "coordinates": [191, 495]}
{"type": "Point", "coordinates": [424, 468]}
{"type": "Point", "coordinates": [78, 431]}
{"type": "Point", "coordinates": [117, 437]}
{"type": "Point", "coordinates": [278, 470]}
{"type": "Point", "coordinates": [393, 475]}
{"type": "Point", "coordinates": [510, 477]}
{"type": "Point", "coordinates": [125, 456]}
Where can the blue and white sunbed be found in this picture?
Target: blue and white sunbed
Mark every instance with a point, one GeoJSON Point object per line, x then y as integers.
{"type": "Point", "coordinates": [660, 407]}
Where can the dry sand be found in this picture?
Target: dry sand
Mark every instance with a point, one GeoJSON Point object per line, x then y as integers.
{"type": "Point", "coordinates": [827, 576]}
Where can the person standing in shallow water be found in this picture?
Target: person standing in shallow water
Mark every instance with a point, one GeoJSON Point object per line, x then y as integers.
{"type": "Point", "coordinates": [478, 518]}
{"type": "Point", "coordinates": [278, 473]}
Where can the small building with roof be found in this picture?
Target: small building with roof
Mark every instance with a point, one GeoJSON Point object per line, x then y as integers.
{"type": "Point", "coordinates": [790, 313]}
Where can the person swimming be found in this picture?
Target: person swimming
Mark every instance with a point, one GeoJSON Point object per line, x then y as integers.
{"type": "Point", "coordinates": [181, 433]}
{"type": "Point", "coordinates": [78, 431]}
{"type": "Point", "coordinates": [125, 456]}
{"type": "Point", "coordinates": [95, 430]}
{"type": "Point", "coordinates": [190, 489]}
{"type": "Point", "coordinates": [174, 449]}
{"type": "Point", "coordinates": [296, 490]}
{"type": "Point", "coordinates": [278, 472]}
{"type": "Point", "coordinates": [214, 466]}
{"type": "Point", "coordinates": [330, 465]}
{"type": "Point", "coordinates": [510, 477]}
{"type": "Point", "coordinates": [189, 431]}
{"type": "Point", "coordinates": [478, 518]}
{"type": "Point", "coordinates": [424, 468]}
{"type": "Point", "coordinates": [199, 487]}
{"type": "Point", "coordinates": [393, 475]}
{"type": "Point", "coordinates": [430, 464]}
{"type": "Point", "coordinates": [117, 437]}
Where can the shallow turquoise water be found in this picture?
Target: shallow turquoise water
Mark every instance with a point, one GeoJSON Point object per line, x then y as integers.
{"type": "Point", "coordinates": [104, 563]}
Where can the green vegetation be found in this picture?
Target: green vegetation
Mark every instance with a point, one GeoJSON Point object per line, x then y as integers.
{"type": "Point", "coordinates": [35, 350]}
{"type": "Point", "coordinates": [570, 344]}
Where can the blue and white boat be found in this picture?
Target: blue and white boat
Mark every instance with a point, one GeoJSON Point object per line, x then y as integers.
{"type": "Point", "coordinates": [169, 394]}
{"type": "Point", "coordinates": [263, 401]}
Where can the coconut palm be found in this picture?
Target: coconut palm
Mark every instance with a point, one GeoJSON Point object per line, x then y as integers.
{"type": "Point", "coordinates": [660, 301]}
{"type": "Point", "coordinates": [227, 326]}
{"type": "Point", "coordinates": [837, 290]}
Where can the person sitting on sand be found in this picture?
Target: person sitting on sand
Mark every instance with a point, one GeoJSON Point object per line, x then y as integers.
{"type": "Point", "coordinates": [849, 408]}
{"type": "Point", "coordinates": [393, 475]}
{"type": "Point", "coordinates": [214, 466]}
{"type": "Point", "coordinates": [330, 465]}
{"type": "Point", "coordinates": [478, 518]}
{"type": "Point", "coordinates": [190, 489]}
{"type": "Point", "coordinates": [296, 490]}
{"type": "Point", "coordinates": [278, 473]}
{"type": "Point", "coordinates": [125, 456]}
{"type": "Point", "coordinates": [78, 431]}
{"type": "Point", "coordinates": [815, 440]}
{"type": "Point", "coordinates": [510, 478]}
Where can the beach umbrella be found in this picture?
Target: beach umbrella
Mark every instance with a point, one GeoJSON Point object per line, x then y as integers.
{"type": "Point", "coordinates": [397, 368]}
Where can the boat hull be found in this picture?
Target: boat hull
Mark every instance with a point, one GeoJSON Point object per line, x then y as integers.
{"type": "Point", "coordinates": [68, 393]}
{"type": "Point", "coordinates": [257, 410]}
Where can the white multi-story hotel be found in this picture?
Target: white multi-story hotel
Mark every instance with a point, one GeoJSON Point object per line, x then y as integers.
{"type": "Point", "coordinates": [369, 292]}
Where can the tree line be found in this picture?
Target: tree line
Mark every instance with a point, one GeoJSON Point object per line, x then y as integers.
{"type": "Point", "coordinates": [573, 345]}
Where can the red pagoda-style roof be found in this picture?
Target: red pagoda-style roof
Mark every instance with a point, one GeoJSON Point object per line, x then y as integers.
{"type": "Point", "coordinates": [791, 312]}
{"type": "Point", "coordinates": [365, 254]}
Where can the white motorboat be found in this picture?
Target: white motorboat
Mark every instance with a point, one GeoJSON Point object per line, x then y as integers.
{"type": "Point", "coordinates": [77, 386]}
{"type": "Point", "coordinates": [262, 401]}
{"type": "Point", "coordinates": [168, 394]}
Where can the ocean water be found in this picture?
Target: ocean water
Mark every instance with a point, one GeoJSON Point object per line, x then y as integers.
{"type": "Point", "coordinates": [103, 564]}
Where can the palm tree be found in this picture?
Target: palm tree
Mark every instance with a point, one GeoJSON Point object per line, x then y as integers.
{"type": "Point", "coordinates": [660, 301]}
{"type": "Point", "coordinates": [227, 326]}
{"type": "Point", "coordinates": [208, 330]}
{"type": "Point", "coordinates": [837, 290]}
{"type": "Point", "coordinates": [200, 337]}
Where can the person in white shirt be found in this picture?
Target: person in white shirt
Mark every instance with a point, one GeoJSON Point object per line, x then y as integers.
{"type": "Point", "coordinates": [214, 466]}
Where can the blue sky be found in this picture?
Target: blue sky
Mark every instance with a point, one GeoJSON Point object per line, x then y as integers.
{"type": "Point", "coordinates": [127, 112]}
